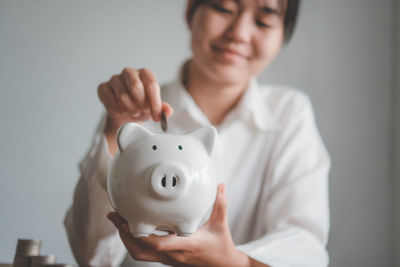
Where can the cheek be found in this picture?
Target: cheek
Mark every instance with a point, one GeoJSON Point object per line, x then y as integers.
{"type": "Point", "coordinates": [206, 27]}
{"type": "Point", "coordinates": [267, 47]}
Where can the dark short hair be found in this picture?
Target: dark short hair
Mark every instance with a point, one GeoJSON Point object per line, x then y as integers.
{"type": "Point", "coordinates": [289, 17]}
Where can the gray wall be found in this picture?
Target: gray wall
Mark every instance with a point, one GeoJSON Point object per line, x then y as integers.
{"type": "Point", "coordinates": [396, 109]}
{"type": "Point", "coordinates": [53, 55]}
{"type": "Point", "coordinates": [342, 57]}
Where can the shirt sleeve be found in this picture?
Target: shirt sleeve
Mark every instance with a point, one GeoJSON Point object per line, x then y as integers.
{"type": "Point", "coordinates": [93, 238]}
{"type": "Point", "coordinates": [294, 207]}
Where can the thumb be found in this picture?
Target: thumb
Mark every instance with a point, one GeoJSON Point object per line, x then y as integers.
{"type": "Point", "coordinates": [167, 109]}
{"type": "Point", "coordinates": [219, 213]}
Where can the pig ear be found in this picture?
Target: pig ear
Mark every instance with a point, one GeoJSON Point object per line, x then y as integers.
{"type": "Point", "coordinates": [129, 133]}
{"type": "Point", "coordinates": [207, 135]}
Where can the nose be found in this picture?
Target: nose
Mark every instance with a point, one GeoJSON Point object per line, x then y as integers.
{"type": "Point", "coordinates": [240, 29]}
{"type": "Point", "coordinates": [168, 180]}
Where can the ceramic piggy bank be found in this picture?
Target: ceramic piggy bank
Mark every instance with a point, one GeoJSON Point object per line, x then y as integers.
{"type": "Point", "coordinates": [162, 181]}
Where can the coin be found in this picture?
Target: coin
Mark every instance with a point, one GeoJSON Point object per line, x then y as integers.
{"type": "Point", "coordinates": [28, 247]}
{"type": "Point", "coordinates": [25, 249]}
{"type": "Point", "coordinates": [28, 251]}
{"type": "Point", "coordinates": [29, 242]}
{"type": "Point", "coordinates": [40, 261]}
{"type": "Point", "coordinates": [164, 124]}
{"type": "Point", "coordinates": [21, 261]}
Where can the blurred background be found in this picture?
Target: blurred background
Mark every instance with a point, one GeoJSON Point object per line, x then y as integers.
{"type": "Point", "coordinates": [53, 54]}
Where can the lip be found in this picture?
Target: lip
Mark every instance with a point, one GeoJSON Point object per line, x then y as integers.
{"type": "Point", "coordinates": [228, 52]}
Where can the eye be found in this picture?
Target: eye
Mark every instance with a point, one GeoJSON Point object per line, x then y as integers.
{"type": "Point", "coordinates": [221, 9]}
{"type": "Point", "coordinates": [154, 147]}
{"type": "Point", "coordinates": [180, 147]}
{"type": "Point", "coordinates": [261, 24]}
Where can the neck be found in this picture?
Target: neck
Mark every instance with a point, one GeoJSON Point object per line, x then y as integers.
{"type": "Point", "coordinates": [214, 99]}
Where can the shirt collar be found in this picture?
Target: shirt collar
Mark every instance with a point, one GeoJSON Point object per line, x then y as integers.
{"type": "Point", "coordinates": [251, 108]}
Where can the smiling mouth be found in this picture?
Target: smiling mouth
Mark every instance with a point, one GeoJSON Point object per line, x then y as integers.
{"type": "Point", "coordinates": [228, 51]}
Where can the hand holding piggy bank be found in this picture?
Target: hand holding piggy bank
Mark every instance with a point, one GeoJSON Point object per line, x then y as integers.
{"type": "Point", "coordinates": [162, 181]}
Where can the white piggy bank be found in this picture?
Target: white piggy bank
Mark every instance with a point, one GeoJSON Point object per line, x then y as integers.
{"type": "Point", "coordinates": [162, 181]}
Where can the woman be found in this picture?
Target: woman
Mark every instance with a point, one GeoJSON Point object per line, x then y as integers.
{"type": "Point", "coordinates": [269, 155]}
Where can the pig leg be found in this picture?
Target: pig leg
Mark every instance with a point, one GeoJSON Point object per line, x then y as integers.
{"type": "Point", "coordinates": [141, 229]}
{"type": "Point", "coordinates": [186, 229]}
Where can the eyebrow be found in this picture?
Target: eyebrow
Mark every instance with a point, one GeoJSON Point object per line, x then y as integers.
{"type": "Point", "coordinates": [269, 10]}
{"type": "Point", "coordinates": [264, 9]}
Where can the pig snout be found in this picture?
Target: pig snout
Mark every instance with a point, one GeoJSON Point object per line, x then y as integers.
{"type": "Point", "coordinates": [168, 180]}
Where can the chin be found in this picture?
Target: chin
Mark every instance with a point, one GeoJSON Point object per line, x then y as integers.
{"type": "Point", "coordinates": [229, 74]}
{"type": "Point", "coordinates": [230, 79]}
{"type": "Point", "coordinates": [223, 72]}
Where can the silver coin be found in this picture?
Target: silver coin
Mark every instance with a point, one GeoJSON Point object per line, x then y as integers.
{"type": "Point", "coordinates": [28, 247]}
{"type": "Point", "coordinates": [40, 261]}
{"type": "Point", "coordinates": [27, 251]}
{"type": "Point", "coordinates": [21, 261]}
{"type": "Point", "coordinates": [164, 123]}
{"type": "Point", "coordinates": [29, 242]}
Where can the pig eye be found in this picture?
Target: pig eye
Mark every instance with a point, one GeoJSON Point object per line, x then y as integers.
{"type": "Point", "coordinates": [154, 147]}
{"type": "Point", "coordinates": [180, 147]}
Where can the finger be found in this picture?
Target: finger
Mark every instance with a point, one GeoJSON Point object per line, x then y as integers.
{"type": "Point", "coordinates": [219, 213]}
{"type": "Point", "coordinates": [152, 91]}
{"type": "Point", "coordinates": [146, 111]}
{"type": "Point", "coordinates": [134, 87]}
{"type": "Point", "coordinates": [118, 221]}
{"type": "Point", "coordinates": [107, 97]}
{"type": "Point", "coordinates": [168, 243]}
{"type": "Point", "coordinates": [135, 246]}
{"type": "Point", "coordinates": [138, 251]}
{"type": "Point", "coordinates": [179, 256]}
{"type": "Point", "coordinates": [122, 95]}
{"type": "Point", "coordinates": [167, 109]}
{"type": "Point", "coordinates": [138, 248]}
{"type": "Point", "coordinates": [116, 95]}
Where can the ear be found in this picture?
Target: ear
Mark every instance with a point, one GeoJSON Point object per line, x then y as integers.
{"type": "Point", "coordinates": [130, 132]}
{"type": "Point", "coordinates": [207, 135]}
{"type": "Point", "coordinates": [188, 14]}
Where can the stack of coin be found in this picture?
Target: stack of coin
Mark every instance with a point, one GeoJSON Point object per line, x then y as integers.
{"type": "Point", "coordinates": [42, 260]}
{"type": "Point", "coordinates": [27, 254]}
{"type": "Point", "coordinates": [25, 249]}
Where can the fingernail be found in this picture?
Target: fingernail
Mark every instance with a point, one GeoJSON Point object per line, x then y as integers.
{"type": "Point", "coordinates": [156, 117]}
{"type": "Point", "coordinates": [222, 189]}
{"type": "Point", "coordinates": [136, 114]}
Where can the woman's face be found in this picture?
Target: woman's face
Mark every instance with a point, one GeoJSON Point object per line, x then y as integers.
{"type": "Point", "coordinates": [234, 40]}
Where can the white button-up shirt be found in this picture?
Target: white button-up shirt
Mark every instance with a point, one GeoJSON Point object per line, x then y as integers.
{"type": "Point", "coordinates": [271, 158]}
